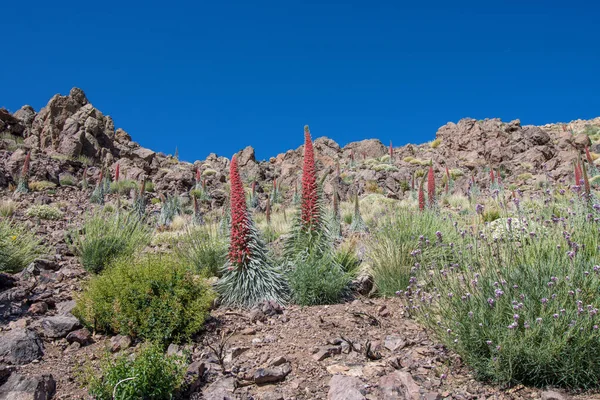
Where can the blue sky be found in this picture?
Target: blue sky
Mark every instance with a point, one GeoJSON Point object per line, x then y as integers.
{"type": "Point", "coordinates": [218, 76]}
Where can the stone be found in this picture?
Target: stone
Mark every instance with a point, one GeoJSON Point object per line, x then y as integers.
{"type": "Point", "coordinates": [326, 352]}
{"type": "Point", "coordinates": [274, 362]}
{"type": "Point", "coordinates": [398, 385]}
{"type": "Point", "coordinates": [552, 395]}
{"type": "Point", "coordinates": [119, 342]}
{"type": "Point", "coordinates": [38, 308]}
{"type": "Point", "coordinates": [59, 326]}
{"type": "Point", "coordinates": [394, 343]}
{"type": "Point", "coordinates": [20, 387]}
{"type": "Point", "coordinates": [221, 389]}
{"type": "Point", "coordinates": [81, 336]}
{"type": "Point", "coordinates": [272, 375]}
{"type": "Point", "coordinates": [21, 346]}
{"type": "Point", "coordinates": [65, 307]}
{"type": "Point", "coordinates": [6, 281]}
{"type": "Point", "coordinates": [343, 387]}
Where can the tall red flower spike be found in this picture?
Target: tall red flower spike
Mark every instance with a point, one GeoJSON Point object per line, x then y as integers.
{"type": "Point", "coordinates": [25, 170]}
{"type": "Point", "coordinates": [577, 174]}
{"type": "Point", "coordinates": [117, 171]}
{"type": "Point", "coordinates": [588, 156]}
{"type": "Point", "coordinates": [431, 187]}
{"type": "Point", "coordinates": [238, 245]}
{"type": "Point", "coordinates": [421, 197]}
{"type": "Point", "coordinates": [309, 207]}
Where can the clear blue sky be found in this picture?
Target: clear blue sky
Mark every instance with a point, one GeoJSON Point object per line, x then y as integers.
{"type": "Point", "coordinates": [218, 76]}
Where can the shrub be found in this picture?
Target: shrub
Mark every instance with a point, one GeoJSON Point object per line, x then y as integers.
{"type": "Point", "coordinates": [104, 238]}
{"type": "Point", "coordinates": [155, 200]}
{"type": "Point", "coordinates": [209, 172]}
{"type": "Point", "coordinates": [67, 180]}
{"type": "Point", "coordinates": [346, 257]}
{"type": "Point", "coordinates": [521, 311]}
{"type": "Point", "coordinates": [203, 248]}
{"type": "Point", "coordinates": [18, 246]}
{"type": "Point", "coordinates": [39, 186]}
{"type": "Point", "coordinates": [436, 143]}
{"type": "Point", "coordinates": [152, 297]}
{"type": "Point", "coordinates": [317, 279]}
{"type": "Point", "coordinates": [123, 186]}
{"type": "Point", "coordinates": [44, 211]}
{"type": "Point", "coordinates": [391, 247]}
{"type": "Point", "coordinates": [150, 375]}
{"type": "Point", "coordinates": [7, 208]}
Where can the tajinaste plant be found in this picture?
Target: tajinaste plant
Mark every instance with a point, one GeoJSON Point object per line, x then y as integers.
{"type": "Point", "coordinates": [335, 225]}
{"type": "Point", "coordinates": [391, 153]}
{"type": "Point", "coordinates": [23, 184]}
{"type": "Point", "coordinates": [139, 201]}
{"type": "Point", "coordinates": [310, 211]}
{"type": "Point", "coordinates": [117, 170]}
{"type": "Point", "coordinates": [198, 216]}
{"type": "Point", "coordinates": [225, 223]}
{"type": "Point", "coordinates": [84, 181]}
{"type": "Point", "coordinates": [171, 207]}
{"type": "Point", "coordinates": [431, 187]}
{"type": "Point", "coordinates": [275, 194]}
{"type": "Point", "coordinates": [254, 203]}
{"type": "Point", "coordinates": [249, 277]}
{"type": "Point", "coordinates": [421, 197]}
{"type": "Point", "coordinates": [268, 211]}
{"type": "Point", "coordinates": [358, 224]}
{"type": "Point", "coordinates": [296, 200]}
{"type": "Point", "coordinates": [99, 192]}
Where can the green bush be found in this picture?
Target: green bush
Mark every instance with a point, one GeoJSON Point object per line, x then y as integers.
{"type": "Point", "coordinates": [7, 208]}
{"type": "Point", "coordinates": [519, 311]}
{"type": "Point", "coordinates": [67, 180]}
{"type": "Point", "coordinates": [18, 246]}
{"type": "Point", "coordinates": [44, 211]}
{"type": "Point", "coordinates": [105, 237]}
{"type": "Point", "coordinates": [150, 375]}
{"type": "Point", "coordinates": [391, 246]}
{"type": "Point", "coordinates": [346, 257]}
{"type": "Point", "coordinates": [203, 248]}
{"type": "Point", "coordinates": [317, 280]}
{"type": "Point", "coordinates": [123, 186]}
{"type": "Point", "coordinates": [41, 185]}
{"type": "Point", "coordinates": [152, 297]}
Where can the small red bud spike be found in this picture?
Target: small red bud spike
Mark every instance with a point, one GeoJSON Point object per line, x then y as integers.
{"type": "Point", "coordinates": [391, 151]}
{"type": "Point", "coordinates": [473, 179]}
{"type": "Point", "coordinates": [351, 155]}
{"type": "Point", "coordinates": [431, 187]}
{"type": "Point", "coordinates": [492, 176]}
{"type": "Point", "coordinates": [337, 168]}
{"type": "Point", "coordinates": [274, 183]}
{"type": "Point", "coordinates": [588, 156]}
{"type": "Point", "coordinates": [253, 188]}
{"type": "Point", "coordinates": [238, 245]}
{"type": "Point", "coordinates": [85, 173]}
{"type": "Point", "coordinates": [268, 211]}
{"type": "Point", "coordinates": [310, 206]}
{"type": "Point", "coordinates": [577, 174]}
{"type": "Point", "coordinates": [25, 170]}
{"type": "Point", "coordinates": [447, 173]}
{"type": "Point", "coordinates": [421, 197]}
{"type": "Point", "coordinates": [100, 177]}
{"type": "Point", "coordinates": [412, 182]}
{"type": "Point", "coordinates": [117, 171]}
{"type": "Point", "coordinates": [364, 155]}
{"type": "Point", "coordinates": [197, 174]}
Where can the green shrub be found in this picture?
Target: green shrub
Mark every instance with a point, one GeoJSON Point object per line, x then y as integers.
{"type": "Point", "coordinates": [67, 180]}
{"type": "Point", "coordinates": [18, 246]}
{"type": "Point", "coordinates": [519, 311]}
{"type": "Point", "coordinates": [346, 257]}
{"type": "Point", "coordinates": [436, 143]}
{"type": "Point", "coordinates": [317, 280]}
{"type": "Point", "coordinates": [41, 185]}
{"type": "Point", "coordinates": [398, 236]}
{"type": "Point", "coordinates": [123, 186]}
{"type": "Point", "coordinates": [44, 211]}
{"type": "Point", "coordinates": [152, 297]}
{"type": "Point", "coordinates": [150, 375]}
{"type": "Point", "coordinates": [149, 187]}
{"type": "Point", "coordinates": [105, 237]}
{"type": "Point", "coordinates": [203, 248]}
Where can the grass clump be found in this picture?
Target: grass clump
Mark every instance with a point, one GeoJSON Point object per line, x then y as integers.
{"type": "Point", "coordinates": [203, 248]}
{"type": "Point", "coordinates": [18, 246]}
{"type": "Point", "coordinates": [152, 297]}
{"type": "Point", "coordinates": [7, 208]}
{"type": "Point", "coordinates": [151, 374]}
{"type": "Point", "coordinates": [44, 211]}
{"type": "Point", "coordinates": [67, 180]}
{"type": "Point", "coordinates": [39, 186]}
{"type": "Point", "coordinates": [391, 249]}
{"type": "Point", "coordinates": [123, 186]}
{"type": "Point", "coordinates": [105, 237]}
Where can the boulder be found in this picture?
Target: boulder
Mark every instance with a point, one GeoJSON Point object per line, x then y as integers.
{"type": "Point", "coordinates": [20, 346]}
{"type": "Point", "coordinates": [343, 387]}
{"type": "Point", "coordinates": [20, 387]}
{"type": "Point", "coordinates": [59, 326]}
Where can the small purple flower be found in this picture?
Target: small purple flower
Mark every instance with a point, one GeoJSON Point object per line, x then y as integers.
{"type": "Point", "coordinates": [555, 316]}
{"type": "Point", "coordinates": [516, 317]}
{"type": "Point", "coordinates": [538, 320]}
{"type": "Point", "coordinates": [488, 342]}
{"type": "Point", "coordinates": [479, 209]}
{"type": "Point", "coordinates": [544, 301]}
{"type": "Point", "coordinates": [490, 302]}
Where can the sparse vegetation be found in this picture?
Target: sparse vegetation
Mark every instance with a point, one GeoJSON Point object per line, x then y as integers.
{"type": "Point", "coordinates": [44, 211]}
{"type": "Point", "coordinates": [39, 186]}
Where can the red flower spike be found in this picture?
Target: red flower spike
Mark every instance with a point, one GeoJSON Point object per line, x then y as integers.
{"type": "Point", "coordinates": [391, 151]}
{"type": "Point", "coordinates": [577, 174]}
{"type": "Point", "coordinates": [431, 187]}
{"type": "Point", "coordinates": [309, 207]}
{"type": "Point", "coordinates": [492, 176]}
{"type": "Point", "coordinates": [197, 174]}
{"type": "Point", "coordinates": [588, 156]}
{"type": "Point", "coordinates": [253, 188]}
{"type": "Point", "coordinates": [421, 197]}
{"type": "Point", "coordinates": [238, 245]}
{"type": "Point", "coordinates": [586, 183]}
{"type": "Point", "coordinates": [117, 171]}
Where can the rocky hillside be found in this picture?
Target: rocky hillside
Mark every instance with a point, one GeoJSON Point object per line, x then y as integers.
{"type": "Point", "coordinates": [70, 133]}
